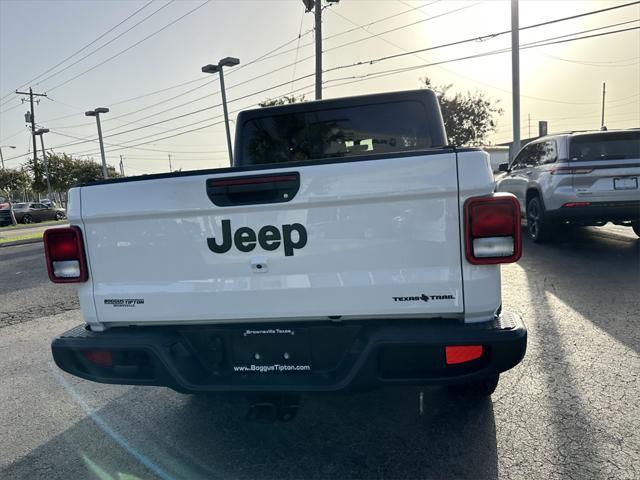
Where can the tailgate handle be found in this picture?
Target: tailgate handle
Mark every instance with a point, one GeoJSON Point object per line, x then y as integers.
{"type": "Point", "coordinates": [253, 189]}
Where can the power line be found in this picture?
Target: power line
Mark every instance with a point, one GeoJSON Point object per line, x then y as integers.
{"type": "Point", "coordinates": [207, 82]}
{"type": "Point", "coordinates": [129, 47]}
{"type": "Point", "coordinates": [400, 70]}
{"type": "Point", "coordinates": [393, 71]}
{"type": "Point", "coordinates": [257, 77]}
{"type": "Point", "coordinates": [284, 52]}
{"type": "Point", "coordinates": [403, 27]}
{"type": "Point", "coordinates": [84, 48]}
{"type": "Point", "coordinates": [262, 57]}
{"type": "Point", "coordinates": [474, 39]}
{"type": "Point", "coordinates": [55, 74]}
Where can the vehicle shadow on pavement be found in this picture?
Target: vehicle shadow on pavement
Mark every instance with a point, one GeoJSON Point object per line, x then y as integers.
{"type": "Point", "coordinates": [596, 275]}
{"type": "Point", "coordinates": [157, 433]}
{"type": "Point", "coordinates": [575, 413]}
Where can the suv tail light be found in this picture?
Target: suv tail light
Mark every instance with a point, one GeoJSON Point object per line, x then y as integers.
{"type": "Point", "coordinates": [492, 229]}
{"type": "Point", "coordinates": [64, 252]}
{"type": "Point", "coordinates": [570, 171]}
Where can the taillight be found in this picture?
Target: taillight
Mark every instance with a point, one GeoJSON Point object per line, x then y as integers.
{"type": "Point", "coordinates": [576, 204]}
{"type": "Point", "coordinates": [492, 229]}
{"type": "Point", "coordinates": [570, 171]}
{"type": "Point", "coordinates": [64, 252]}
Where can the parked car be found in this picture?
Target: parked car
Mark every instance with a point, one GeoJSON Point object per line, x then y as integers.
{"type": "Point", "coordinates": [578, 178]}
{"type": "Point", "coordinates": [5, 213]}
{"type": "Point", "coordinates": [30, 212]}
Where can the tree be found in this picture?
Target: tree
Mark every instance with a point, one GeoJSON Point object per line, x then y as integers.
{"type": "Point", "coordinates": [66, 172]}
{"type": "Point", "coordinates": [12, 180]}
{"type": "Point", "coordinates": [285, 100]}
{"type": "Point", "coordinates": [468, 118]}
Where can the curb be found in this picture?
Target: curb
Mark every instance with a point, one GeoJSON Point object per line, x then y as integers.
{"type": "Point", "coordinates": [21, 242]}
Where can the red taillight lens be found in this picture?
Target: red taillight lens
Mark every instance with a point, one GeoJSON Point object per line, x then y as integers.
{"type": "Point", "coordinates": [490, 220]}
{"type": "Point", "coordinates": [492, 228]}
{"type": "Point", "coordinates": [64, 252]}
{"type": "Point", "coordinates": [462, 353]}
{"type": "Point", "coordinates": [102, 358]}
{"type": "Point", "coordinates": [63, 245]}
{"type": "Point", "coordinates": [576, 204]}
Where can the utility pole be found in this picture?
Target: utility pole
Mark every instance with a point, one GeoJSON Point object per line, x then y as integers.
{"type": "Point", "coordinates": [318, 14]}
{"type": "Point", "coordinates": [40, 132]}
{"type": "Point", "coordinates": [515, 76]}
{"type": "Point", "coordinates": [170, 169]}
{"type": "Point", "coordinates": [121, 166]}
{"type": "Point", "coordinates": [603, 94]}
{"type": "Point", "coordinates": [32, 116]}
{"type": "Point", "coordinates": [316, 5]}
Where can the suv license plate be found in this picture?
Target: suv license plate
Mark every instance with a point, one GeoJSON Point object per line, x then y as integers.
{"type": "Point", "coordinates": [629, 183]}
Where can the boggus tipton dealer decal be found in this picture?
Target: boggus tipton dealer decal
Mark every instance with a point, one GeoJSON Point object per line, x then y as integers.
{"type": "Point", "coordinates": [268, 237]}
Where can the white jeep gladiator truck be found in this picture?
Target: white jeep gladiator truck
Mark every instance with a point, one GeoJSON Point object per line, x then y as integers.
{"type": "Point", "coordinates": [348, 247]}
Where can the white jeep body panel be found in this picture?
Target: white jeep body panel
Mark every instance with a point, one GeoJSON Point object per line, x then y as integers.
{"type": "Point", "coordinates": [379, 233]}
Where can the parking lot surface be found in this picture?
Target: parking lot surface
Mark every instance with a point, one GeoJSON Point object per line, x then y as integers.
{"type": "Point", "coordinates": [570, 410]}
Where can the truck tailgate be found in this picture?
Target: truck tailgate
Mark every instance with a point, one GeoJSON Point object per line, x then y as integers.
{"type": "Point", "coordinates": [382, 240]}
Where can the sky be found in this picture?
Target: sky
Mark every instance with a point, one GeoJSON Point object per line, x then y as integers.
{"type": "Point", "coordinates": [143, 59]}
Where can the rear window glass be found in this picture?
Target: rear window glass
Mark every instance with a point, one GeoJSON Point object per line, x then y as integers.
{"type": "Point", "coordinates": [337, 132]}
{"type": "Point", "coordinates": [605, 146]}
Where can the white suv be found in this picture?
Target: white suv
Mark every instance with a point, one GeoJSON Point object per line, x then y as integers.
{"type": "Point", "coordinates": [581, 178]}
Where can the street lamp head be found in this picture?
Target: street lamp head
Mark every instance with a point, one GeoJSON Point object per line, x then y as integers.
{"type": "Point", "coordinates": [7, 146]}
{"type": "Point", "coordinates": [229, 62]}
{"type": "Point", "coordinates": [93, 113]}
{"type": "Point", "coordinates": [210, 69]}
{"type": "Point", "coordinates": [41, 131]}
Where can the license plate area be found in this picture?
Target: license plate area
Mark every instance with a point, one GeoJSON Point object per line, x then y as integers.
{"type": "Point", "coordinates": [625, 183]}
{"type": "Point", "coordinates": [268, 350]}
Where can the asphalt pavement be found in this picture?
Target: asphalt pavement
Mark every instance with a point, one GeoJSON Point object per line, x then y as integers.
{"type": "Point", "coordinates": [25, 290]}
{"type": "Point", "coordinates": [569, 410]}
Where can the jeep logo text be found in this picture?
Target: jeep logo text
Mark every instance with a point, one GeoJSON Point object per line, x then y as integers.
{"type": "Point", "coordinates": [269, 237]}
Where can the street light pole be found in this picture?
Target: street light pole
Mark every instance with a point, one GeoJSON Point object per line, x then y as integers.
{"type": "Point", "coordinates": [96, 113]}
{"type": "Point", "coordinates": [225, 62]}
{"type": "Point", "coordinates": [226, 116]}
{"type": "Point", "coordinates": [40, 132]}
{"type": "Point", "coordinates": [1, 157]}
{"type": "Point", "coordinates": [515, 76]}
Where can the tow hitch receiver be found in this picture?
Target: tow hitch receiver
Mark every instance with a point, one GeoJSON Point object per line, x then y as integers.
{"type": "Point", "coordinates": [272, 408]}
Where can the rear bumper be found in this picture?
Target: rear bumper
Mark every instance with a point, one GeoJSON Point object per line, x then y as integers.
{"type": "Point", "coordinates": [598, 212]}
{"type": "Point", "coordinates": [341, 356]}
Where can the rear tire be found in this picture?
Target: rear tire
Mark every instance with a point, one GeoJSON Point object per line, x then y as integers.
{"type": "Point", "coordinates": [636, 228]}
{"type": "Point", "coordinates": [538, 227]}
{"type": "Point", "coordinates": [59, 216]}
{"type": "Point", "coordinates": [27, 219]}
{"type": "Point", "coordinates": [477, 388]}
